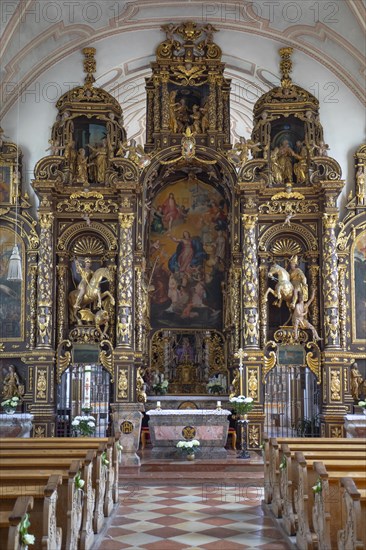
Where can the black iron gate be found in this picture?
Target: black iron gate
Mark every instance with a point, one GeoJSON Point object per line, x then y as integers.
{"type": "Point", "coordinates": [292, 399]}
{"type": "Point", "coordinates": [83, 387]}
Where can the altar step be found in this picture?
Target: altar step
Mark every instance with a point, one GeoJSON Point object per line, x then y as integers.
{"type": "Point", "coordinates": [231, 470]}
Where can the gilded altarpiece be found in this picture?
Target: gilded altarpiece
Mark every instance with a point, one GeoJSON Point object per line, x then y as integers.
{"type": "Point", "coordinates": [188, 258]}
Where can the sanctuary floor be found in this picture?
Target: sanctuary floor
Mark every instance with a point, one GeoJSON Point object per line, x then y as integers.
{"type": "Point", "coordinates": [179, 505]}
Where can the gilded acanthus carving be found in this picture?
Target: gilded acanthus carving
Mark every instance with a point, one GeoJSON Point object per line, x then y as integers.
{"type": "Point", "coordinates": [330, 281]}
{"type": "Point", "coordinates": [335, 385]}
{"type": "Point", "coordinates": [41, 384]}
{"type": "Point", "coordinates": [122, 385]}
{"type": "Point", "coordinates": [289, 207]}
{"type": "Point", "coordinates": [125, 280]}
{"type": "Point", "coordinates": [252, 384]}
{"type": "Point", "coordinates": [78, 202]}
{"type": "Point", "coordinates": [250, 280]}
{"type": "Point", "coordinates": [32, 286]}
{"type": "Point", "coordinates": [45, 281]}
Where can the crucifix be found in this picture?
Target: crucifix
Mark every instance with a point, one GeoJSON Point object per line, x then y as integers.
{"type": "Point", "coordinates": [240, 354]}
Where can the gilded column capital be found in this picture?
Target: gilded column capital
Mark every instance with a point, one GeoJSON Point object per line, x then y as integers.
{"type": "Point", "coordinates": [46, 220]}
{"type": "Point", "coordinates": [330, 220]}
{"type": "Point", "coordinates": [249, 220]}
{"type": "Point", "coordinates": [126, 220]}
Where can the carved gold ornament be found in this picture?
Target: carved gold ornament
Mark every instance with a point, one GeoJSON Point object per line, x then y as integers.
{"type": "Point", "coordinates": [88, 246]}
{"type": "Point", "coordinates": [285, 247]}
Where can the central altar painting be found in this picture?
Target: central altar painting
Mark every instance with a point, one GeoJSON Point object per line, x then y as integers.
{"type": "Point", "coordinates": [188, 244]}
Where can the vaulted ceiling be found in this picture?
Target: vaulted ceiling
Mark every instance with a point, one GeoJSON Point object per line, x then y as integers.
{"type": "Point", "coordinates": [41, 44]}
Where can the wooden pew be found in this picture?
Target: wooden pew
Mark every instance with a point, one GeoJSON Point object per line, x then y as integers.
{"type": "Point", "coordinates": [69, 500]}
{"type": "Point", "coordinates": [43, 518]}
{"type": "Point", "coordinates": [113, 456]}
{"type": "Point", "coordinates": [10, 520]}
{"type": "Point", "coordinates": [306, 536]}
{"type": "Point", "coordinates": [352, 535]}
{"type": "Point", "coordinates": [272, 457]}
{"type": "Point", "coordinates": [286, 477]}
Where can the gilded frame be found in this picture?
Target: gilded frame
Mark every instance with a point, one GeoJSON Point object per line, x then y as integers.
{"type": "Point", "coordinates": [355, 340]}
{"type": "Point", "coordinates": [7, 183]}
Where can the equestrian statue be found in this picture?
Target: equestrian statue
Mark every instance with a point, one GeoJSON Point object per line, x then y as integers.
{"type": "Point", "coordinates": [88, 293]}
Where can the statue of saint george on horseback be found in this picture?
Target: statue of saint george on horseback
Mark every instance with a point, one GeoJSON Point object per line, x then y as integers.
{"type": "Point", "coordinates": [88, 293]}
{"type": "Point", "coordinates": [290, 284]}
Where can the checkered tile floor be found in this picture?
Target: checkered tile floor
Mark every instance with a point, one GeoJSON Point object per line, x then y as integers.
{"type": "Point", "coordinates": [207, 516]}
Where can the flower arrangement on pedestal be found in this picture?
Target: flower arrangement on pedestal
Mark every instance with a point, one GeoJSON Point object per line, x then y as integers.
{"type": "Point", "coordinates": [10, 405]}
{"type": "Point", "coordinates": [189, 448]}
{"type": "Point", "coordinates": [84, 425]}
{"type": "Point", "coordinates": [160, 388]}
{"type": "Point", "coordinates": [362, 404]}
{"type": "Point", "coordinates": [242, 405]}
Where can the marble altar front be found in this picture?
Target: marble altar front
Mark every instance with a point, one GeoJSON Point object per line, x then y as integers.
{"type": "Point", "coordinates": [209, 426]}
{"type": "Point", "coordinates": [16, 425]}
{"type": "Point", "coordinates": [355, 425]}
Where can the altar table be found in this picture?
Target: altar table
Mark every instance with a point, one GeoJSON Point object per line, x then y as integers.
{"type": "Point", "coordinates": [209, 426]}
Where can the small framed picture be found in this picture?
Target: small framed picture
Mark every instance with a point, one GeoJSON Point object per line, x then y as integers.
{"type": "Point", "coordinates": [6, 182]}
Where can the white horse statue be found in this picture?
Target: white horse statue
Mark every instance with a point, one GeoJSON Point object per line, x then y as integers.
{"type": "Point", "coordinates": [284, 289]}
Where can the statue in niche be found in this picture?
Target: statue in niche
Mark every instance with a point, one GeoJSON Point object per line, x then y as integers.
{"type": "Point", "coordinates": [81, 173]}
{"type": "Point", "coordinates": [301, 167]}
{"type": "Point", "coordinates": [88, 293]}
{"type": "Point", "coordinates": [360, 184]}
{"type": "Point", "coordinates": [99, 161]}
{"type": "Point", "coordinates": [275, 166]}
{"type": "Point", "coordinates": [356, 382]}
{"type": "Point", "coordinates": [235, 384]}
{"type": "Point", "coordinates": [285, 155]}
{"type": "Point", "coordinates": [70, 155]}
{"type": "Point", "coordinates": [290, 284]}
{"type": "Point", "coordinates": [196, 117]}
{"type": "Point", "coordinates": [12, 386]}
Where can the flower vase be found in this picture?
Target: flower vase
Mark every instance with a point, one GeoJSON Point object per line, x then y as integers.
{"type": "Point", "coordinates": [9, 410]}
{"type": "Point", "coordinates": [191, 456]}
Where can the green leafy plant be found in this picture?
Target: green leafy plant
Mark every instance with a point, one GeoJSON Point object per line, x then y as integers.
{"type": "Point", "coordinates": [214, 387]}
{"type": "Point", "coordinates": [25, 537]}
{"type": "Point", "coordinates": [104, 459]}
{"type": "Point", "coordinates": [161, 387]}
{"type": "Point", "coordinates": [317, 488]}
{"type": "Point", "coordinates": [283, 463]}
{"type": "Point", "coordinates": [362, 404]}
{"type": "Point", "coordinates": [79, 483]}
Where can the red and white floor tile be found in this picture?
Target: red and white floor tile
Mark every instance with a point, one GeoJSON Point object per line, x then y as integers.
{"type": "Point", "coordinates": [179, 517]}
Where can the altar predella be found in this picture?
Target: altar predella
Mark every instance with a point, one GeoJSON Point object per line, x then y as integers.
{"type": "Point", "coordinates": [153, 265]}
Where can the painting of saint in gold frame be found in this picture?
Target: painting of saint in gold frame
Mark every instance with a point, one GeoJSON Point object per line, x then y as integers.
{"type": "Point", "coordinates": [6, 182]}
{"type": "Point", "coordinates": [188, 249]}
{"type": "Point", "coordinates": [358, 289]}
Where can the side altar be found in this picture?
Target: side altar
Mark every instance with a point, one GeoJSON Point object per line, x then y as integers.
{"type": "Point", "coordinates": [209, 426]}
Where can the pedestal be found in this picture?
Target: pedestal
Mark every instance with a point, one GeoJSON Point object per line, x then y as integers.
{"type": "Point", "coordinates": [127, 420]}
{"type": "Point", "coordinates": [16, 425]}
{"type": "Point", "coordinates": [355, 425]}
{"type": "Point", "coordinates": [243, 435]}
{"type": "Point", "coordinates": [210, 427]}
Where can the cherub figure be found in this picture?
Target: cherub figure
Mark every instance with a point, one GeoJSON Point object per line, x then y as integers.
{"type": "Point", "coordinates": [322, 149]}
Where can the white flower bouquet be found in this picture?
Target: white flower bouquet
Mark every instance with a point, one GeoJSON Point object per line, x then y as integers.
{"type": "Point", "coordinates": [10, 404]}
{"type": "Point", "coordinates": [241, 404]}
{"type": "Point", "coordinates": [360, 404]}
{"type": "Point", "coordinates": [83, 425]}
{"type": "Point", "coordinates": [188, 447]}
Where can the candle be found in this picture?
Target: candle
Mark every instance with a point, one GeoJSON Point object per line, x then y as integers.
{"type": "Point", "coordinates": [218, 404]}
{"type": "Point", "coordinates": [158, 404]}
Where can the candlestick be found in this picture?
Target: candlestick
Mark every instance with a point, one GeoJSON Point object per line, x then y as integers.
{"type": "Point", "coordinates": [218, 404]}
{"type": "Point", "coordinates": [158, 405]}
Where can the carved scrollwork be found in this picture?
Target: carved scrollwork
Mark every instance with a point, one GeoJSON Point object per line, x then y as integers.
{"type": "Point", "coordinates": [106, 357]}
{"type": "Point", "coordinates": [269, 359]}
{"type": "Point", "coordinates": [127, 171]}
{"type": "Point", "coordinates": [325, 168]}
{"type": "Point", "coordinates": [50, 168]}
{"type": "Point", "coordinates": [313, 359]}
{"type": "Point", "coordinates": [63, 358]}
{"type": "Point", "coordinates": [77, 203]}
{"type": "Point", "coordinates": [286, 336]}
{"type": "Point", "coordinates": [289, 207]}
{"type": "Point", "coordinates": [253, 171]}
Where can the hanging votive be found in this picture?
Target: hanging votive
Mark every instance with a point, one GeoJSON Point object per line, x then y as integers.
{"type": "Point", "coordinates": [15, 266]}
